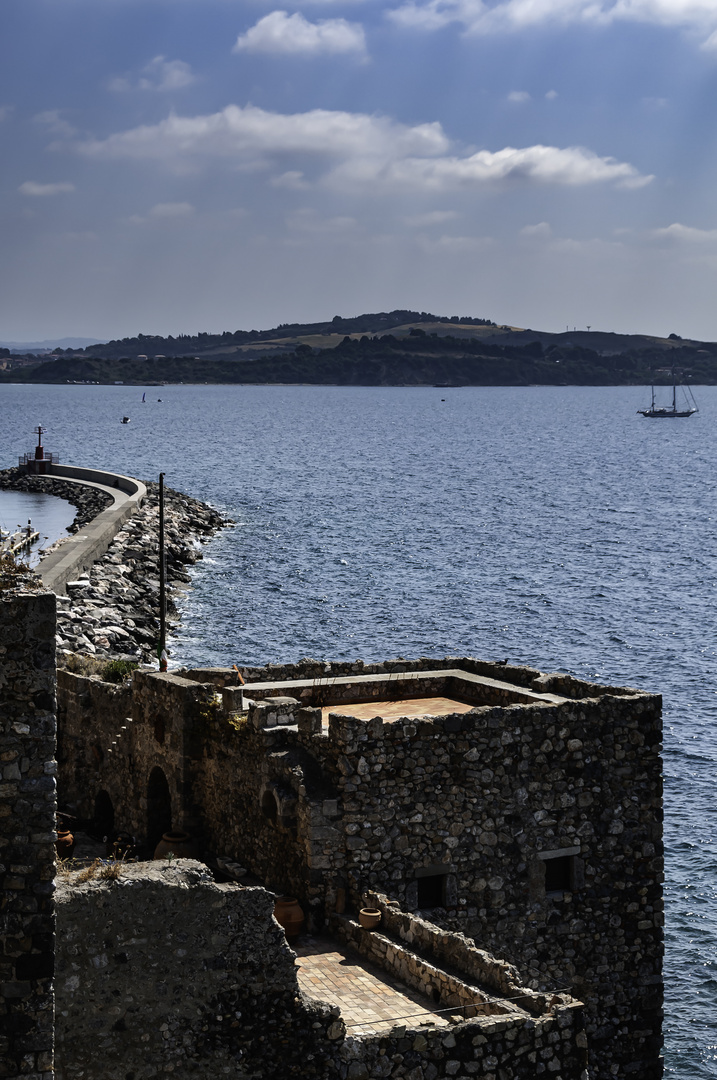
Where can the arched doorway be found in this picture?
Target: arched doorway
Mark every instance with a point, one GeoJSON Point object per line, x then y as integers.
{"type": "Point", "coordinates": [159, 807]}
{"type": "Point", "coordinates": [104, 818]}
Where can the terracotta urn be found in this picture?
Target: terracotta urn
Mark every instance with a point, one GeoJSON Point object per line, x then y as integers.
{"type": "Point", "coordinates": [178, 844]}
{"type": "Point", "coordinates": [65, 844]}
{"type": "Point", "coordinates": [288, 914]}
{"type": "Point", "coordinates": [369, 917]}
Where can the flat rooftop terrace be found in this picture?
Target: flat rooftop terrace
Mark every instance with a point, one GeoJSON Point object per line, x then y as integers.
{"type": "Point", "coordinates": [370, 999]}
{"type": "Point", "coordinates": [390, 711]}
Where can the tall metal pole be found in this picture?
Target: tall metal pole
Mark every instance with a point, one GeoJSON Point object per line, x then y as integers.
{"type": "Point", "coordinates": [162, 583]}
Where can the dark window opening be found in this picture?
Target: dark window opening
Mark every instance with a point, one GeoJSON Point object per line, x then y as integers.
{"type": "Point", "coordinates": [159, 807]}
{"type": "Point", "coordinates": [268, 805]}
{"type": "Point", "coordinates": [559, 874]}
{"type": "Point", "coordinates": [430, 891]}
{"type": "Point", "coordinates": [104, 818]}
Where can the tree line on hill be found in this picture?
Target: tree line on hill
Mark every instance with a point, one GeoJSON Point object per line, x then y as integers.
{"type": "Point", "coordinates": [186, 344]}
{"type": "Point", "coordinates": [418, 359]}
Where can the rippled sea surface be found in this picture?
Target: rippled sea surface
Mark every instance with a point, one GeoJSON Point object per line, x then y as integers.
{"type": "Point", "coordinates": [551, 526]}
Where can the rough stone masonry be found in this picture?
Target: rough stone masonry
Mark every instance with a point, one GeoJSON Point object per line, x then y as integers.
{"type": "Point", "coordinates": [27, 823]}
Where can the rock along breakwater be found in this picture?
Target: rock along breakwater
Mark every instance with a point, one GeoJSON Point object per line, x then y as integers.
{"type": "Point", "coordinates": [112, 610]}
{"type": "Point", "coordinates": [88, 501]}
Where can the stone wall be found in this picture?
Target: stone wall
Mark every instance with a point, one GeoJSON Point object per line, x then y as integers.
{"type": "Point", "coordinates": [534, 828]}
{"type": "Point", "coordinates": [162, 972]}
{"type": "Point", "coordinates": [27, 822]}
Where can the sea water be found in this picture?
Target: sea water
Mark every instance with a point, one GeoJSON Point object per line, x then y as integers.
{"type": "Point", "coordinates": [546, 525]}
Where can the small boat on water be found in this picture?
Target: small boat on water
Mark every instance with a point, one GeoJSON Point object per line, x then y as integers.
{"type": "Point", "coordinates": [687, 408]}
{"type": "Point", "coordinates": [124, 420]}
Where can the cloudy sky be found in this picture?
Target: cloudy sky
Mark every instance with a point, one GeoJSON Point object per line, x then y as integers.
{"type": "Point", "coordinates": [173, 166]}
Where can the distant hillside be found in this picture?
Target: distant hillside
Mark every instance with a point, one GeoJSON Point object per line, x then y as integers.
{"type": "Point", "coordinates": [49, 344]}
{"type": "Point", "coordinates": [385, 349]}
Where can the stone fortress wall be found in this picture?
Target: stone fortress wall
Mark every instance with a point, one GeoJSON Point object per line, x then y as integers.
{"type": "Point", "coordinates": [27, 823]}
{"type": "Point", "coordinates": [531, 822]}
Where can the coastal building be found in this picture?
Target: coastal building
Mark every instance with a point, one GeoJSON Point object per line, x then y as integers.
{"type": "Point", "coordinates": [520, 809]}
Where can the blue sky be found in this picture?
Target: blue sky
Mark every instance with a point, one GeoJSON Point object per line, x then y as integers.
{"type": "Point", "coordinates": [173, 166]}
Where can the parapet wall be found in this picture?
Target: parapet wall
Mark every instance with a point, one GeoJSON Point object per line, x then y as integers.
{"type": "Point", "coordinates": [27, 822]}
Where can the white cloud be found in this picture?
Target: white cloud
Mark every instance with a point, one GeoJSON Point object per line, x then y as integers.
{"type": "Point", "coordinates": [5, 111]}
{"type": "Point", "coordinates": [159, 74]}
{"type": "Point", "coordinates": [541, 231]}
{"type": "Point", "coordinates": [251, 132]}
{"type": "Point", "coordinates": [518, 97]}
{"type": "Point", "coordinates": [294, 35]}
{"type": "Point", "coordinates": [532, 164]}
{"type": "Point", "coordinates": [684, 234]}
{"type": "Point", "coordinates": [551, 95]}
{"type": "Point", "coordinates": [355, 150]}
{"type": "Point", "coordinates": [55, 123]}
{"type": "Point", "coordinates": [31, 187]}
{"type": "Point", "coordinates": [292, 180]}
{"type": "Point", "coordinates": [482, 17]}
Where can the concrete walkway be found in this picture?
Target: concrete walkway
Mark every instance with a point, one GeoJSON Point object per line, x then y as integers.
{"type": "Point", "coordinates": [370, 999]}
{"type": "Point", "coordinates": [79, 552]}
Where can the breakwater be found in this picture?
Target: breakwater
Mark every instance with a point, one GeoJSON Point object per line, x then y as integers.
{"type": "Point", "coordinates": [111, 610]}
{"type": "Point", "coordinates": [111, 604]}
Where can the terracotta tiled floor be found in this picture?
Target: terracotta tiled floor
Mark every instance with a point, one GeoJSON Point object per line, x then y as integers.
{"type": "Point", "coordinates": [394, 710]}
{"type": "Point", "coordinates": [369, 999]}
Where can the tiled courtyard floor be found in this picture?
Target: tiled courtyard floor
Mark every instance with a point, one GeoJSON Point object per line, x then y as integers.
{"type": "Point", "coordinates": [391, 711]}
{"type": "Point", "coordinates": [370, 999]}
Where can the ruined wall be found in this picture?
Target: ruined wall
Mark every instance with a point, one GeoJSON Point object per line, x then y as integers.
{"type": "Point", "coordinates": [27, 822]}
{"type": "Point", "coordinates": [162, 972]}
{"type": "Point", "coordinates": [534, 828]}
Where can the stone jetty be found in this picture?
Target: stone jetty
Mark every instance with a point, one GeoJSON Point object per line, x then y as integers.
{"type": "Point", "coordinates": [111, 611]}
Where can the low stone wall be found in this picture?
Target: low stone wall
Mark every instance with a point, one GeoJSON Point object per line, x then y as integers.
{"type": "Point", "coordinates": [454, 951]}
{"type": "Point", "coordinates": [27, 823]}
{"type": "Point", "coordinates": [321, 674]}
{"type": "Point", "coordinates": [439, 986]}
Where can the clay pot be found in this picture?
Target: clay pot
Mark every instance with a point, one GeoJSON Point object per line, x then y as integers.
{"type": "Point", "coordinates": [177, 843]}
{"type": "Point", "coordinates": [65, 844]}
{"type": "Point", "coordinates": [369, 917]}
{"type": "Point", "coordinates": [288, 914]}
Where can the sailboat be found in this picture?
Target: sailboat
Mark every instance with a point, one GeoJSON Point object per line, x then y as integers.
{"type": "Point", "coordinates": [144, 398]}
{"type": "Point", "coordinates": [670, 411]}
